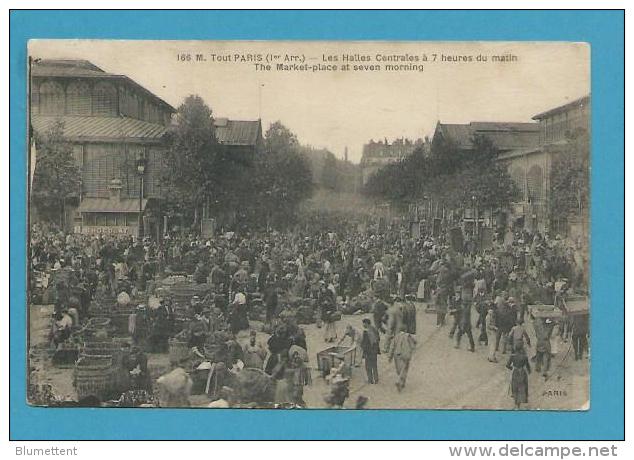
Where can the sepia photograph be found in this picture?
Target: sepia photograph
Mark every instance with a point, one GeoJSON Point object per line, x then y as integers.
{"type": "Point", "coordinates": [309, 225]}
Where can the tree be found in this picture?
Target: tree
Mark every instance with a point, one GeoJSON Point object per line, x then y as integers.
{"type": "Point", "coordinates": [190, 162]}
{"type": "Point", "coordinates": [482, 179]}
{"type": "Point", "coordinates": [569, 181]}
{"type": "Point", "coordinates": [282, 177]}
{"type": "Point", "coordinates": [330, 172]}
{"type": "Point", "coordinates": [454, 177]}
{"type": "Point", "coordinates": [56, 175]}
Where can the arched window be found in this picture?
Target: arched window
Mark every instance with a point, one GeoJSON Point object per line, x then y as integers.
{"type": "Point", "coordinates": [104, 99]}
{"type": "Point", "coordinates": [51, 98]}
{"type": "Point", "coordinates": [535, 180]}
{"type": "Point", "coordinates": [517, 174]}
{"type": "Point", "coordinates": [78, 99]}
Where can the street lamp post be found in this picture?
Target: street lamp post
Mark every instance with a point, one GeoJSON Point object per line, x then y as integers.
{"type": "Point", "coordinates": [476, 220]}
{"type": "Point", "coordinates": [141, 163]}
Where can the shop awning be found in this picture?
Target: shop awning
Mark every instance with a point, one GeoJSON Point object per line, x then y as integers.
{"type": "Point", "coordinates": [124, 205]}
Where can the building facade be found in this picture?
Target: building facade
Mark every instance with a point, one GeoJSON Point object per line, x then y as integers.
{"type": "Point", "coordinates": [531, 168]}
{"type": "Point", "coordinates": [378, 154]}
{"type": "Point", "coordinates": [113, 125]}
{"type": "Point", "coordinates": [506, 137]}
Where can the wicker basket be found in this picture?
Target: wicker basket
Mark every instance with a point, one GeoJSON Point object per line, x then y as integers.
{"type": "Point", "coordinates": [93, 376]}
{"type": "Point", "coordinates": [97, 325]}
{"type": "Point", "coordinates": [178, 350]}
{"type": "Point", "coordinates": [100, 348]}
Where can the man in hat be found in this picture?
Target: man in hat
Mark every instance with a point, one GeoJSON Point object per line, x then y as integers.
{"type": "Point", "coordinates": [136, 364]}
{"type": "Point", "coordinates": [518, 337]}
{"type": "Point", "coordinates": [444, 286]}
{"type": "Point", "coordinates": [162, 326]}
{"type": "Point", "coordinates": [238, 316]}
{"type": "Point", "coordinates": [464, 324]}
{"type": "Point", "coordinates": [378, 314]}
{"type": "Point", "coordinates": [270, 299]}
{"type": "Point", "coordinates": [505, 320]}
{"type": "Point", "coordinates": [409, 314]}
{"type": "Point", "coordinates": [254, 352]}
{"type": "Point", "coordinates": [370, 345]}
{"type": "Point", "coordinates": [352, 337]}
{"type": "Point", "coordinates": [543, 331]}
{"type": "Point", "coordinates": [139, 325]}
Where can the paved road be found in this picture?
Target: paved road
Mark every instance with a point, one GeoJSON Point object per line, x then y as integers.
{"type": "Point", "coordinates": [440, 377]}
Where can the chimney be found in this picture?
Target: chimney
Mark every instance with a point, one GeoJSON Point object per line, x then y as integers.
{"type": "Point", "coordinates": [345, 154]}
{"type": "Point", "coordinates": [115, 189]}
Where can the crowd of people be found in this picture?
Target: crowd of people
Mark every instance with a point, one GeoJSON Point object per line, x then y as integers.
{"type": "Point", "coordinates": [330, 262]}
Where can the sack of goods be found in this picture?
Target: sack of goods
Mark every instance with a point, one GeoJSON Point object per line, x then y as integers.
{"type": "Point", "coordinates": [123, 299]}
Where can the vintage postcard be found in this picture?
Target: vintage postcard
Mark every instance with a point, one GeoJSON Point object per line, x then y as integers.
{"type": "Point", "coordinates": [319, 225]}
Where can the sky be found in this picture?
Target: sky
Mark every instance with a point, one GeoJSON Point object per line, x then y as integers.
{"type": "Point", "coordinates": [338, 109]}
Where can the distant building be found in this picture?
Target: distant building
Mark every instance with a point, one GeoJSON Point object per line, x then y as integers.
{"type": "Point", "coordinates": [376, 155]}
{"type": "Point", "coordinates": [240, 136]}
{"type": "Point", "coordinates": [530, 168]}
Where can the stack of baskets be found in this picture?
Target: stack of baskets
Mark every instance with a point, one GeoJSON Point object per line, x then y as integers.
{"type": "Point", "coordinates": [94, 348]}
{"type": "Point", "coordinates": [182, 293]}
{"type": "Point", "coordinates": [97, 327]}
{"type": "Point", "coordinates": [93, 377]}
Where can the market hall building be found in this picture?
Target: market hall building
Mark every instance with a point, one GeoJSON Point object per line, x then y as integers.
{"type": "Point", "coordinates": [114, 126]}
{"type": "Point", "coordinates": [117, 130]}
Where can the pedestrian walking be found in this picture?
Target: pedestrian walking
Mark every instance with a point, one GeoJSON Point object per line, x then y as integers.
{"type": "Point", "coordinates": [520, 368]}
{"type": "Point", "coordinates": [401, 351]}
{"type": "Point", "coordinates": [464, 325]}
{"type": "Point", "coordinates": [543, 331]}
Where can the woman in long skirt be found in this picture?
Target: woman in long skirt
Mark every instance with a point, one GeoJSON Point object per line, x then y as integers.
{"type": "Point", "coordinates": [330, 331]}
{"type": "Point", "coordinates": [519, 364]}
